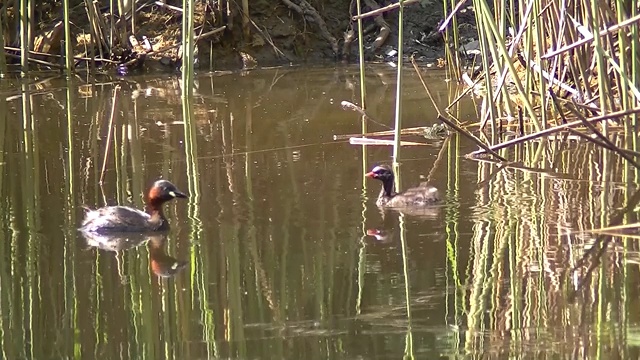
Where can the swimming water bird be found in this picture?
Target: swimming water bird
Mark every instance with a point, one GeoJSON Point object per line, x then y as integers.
{"type": "Point", "coordinates": [123, 219]}
{"type": "Point", "coordinates": [420, 196]}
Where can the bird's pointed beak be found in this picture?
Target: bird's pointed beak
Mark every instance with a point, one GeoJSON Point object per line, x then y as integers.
{"type": "Point", "coordinates": [178, 194]}
{"type": "Point", "coordinates": [370, 174]}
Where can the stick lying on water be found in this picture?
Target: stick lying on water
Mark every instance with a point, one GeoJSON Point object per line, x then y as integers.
{"type": "Point", "coordinates": [347, 105]}
{"type": "Point", "coordinates": [365, 141]}
{"type": "Point", "coordinates": [418, 130]}
{"type": "Point", "coordinates": [409, 131]}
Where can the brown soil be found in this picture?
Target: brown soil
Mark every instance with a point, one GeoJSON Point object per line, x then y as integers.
{"type": "Point", "coordinates": [278, 34]}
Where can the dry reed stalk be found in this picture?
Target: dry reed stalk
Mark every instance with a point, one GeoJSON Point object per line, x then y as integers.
{"type": "Point", "coordinates": [439, 158]}
{"type": "Point", "coordinates": [555, 129]}
{"type": "Point", "coordinates": [33, 52]}
{"type": "Point", "coordinates": [451, 124]}
{"type": "Point", "coordinates": [408, 131]}
{"type": "Point", "coordinates": [609, 145]}
{"type": "Point", "coordinates": [588, 39]}
{"type": "Point", "coordinates": [110, 132]}
{"type": "Point", "coordinates": [365, 141]}
{"type": "Point", "coordinates": [37, 61]}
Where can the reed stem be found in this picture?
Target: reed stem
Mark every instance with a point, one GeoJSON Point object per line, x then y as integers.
{"type": "Point", "coordinates": [187, 48]}
{"type": "Point", "coordinates": [3, 57]}
{"type": "Point", "coordinates": [398, 114]}
{"type": "Point", "coordinates": [24, 38]}
{"type": "Point", "coordinates": [67, 39]}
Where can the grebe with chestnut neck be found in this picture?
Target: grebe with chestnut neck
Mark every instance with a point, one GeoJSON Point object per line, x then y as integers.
{"type": "Point", "coordinates": [123, 219]}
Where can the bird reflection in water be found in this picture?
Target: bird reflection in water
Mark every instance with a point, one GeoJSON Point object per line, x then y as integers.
{"type": "Point", "coordinates": [383, 236]}
{"type": "Point", "coordinates": [162, 264]}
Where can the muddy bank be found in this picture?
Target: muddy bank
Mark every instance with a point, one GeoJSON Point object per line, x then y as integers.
{"type": "Point", "coordinates": [276, 32]}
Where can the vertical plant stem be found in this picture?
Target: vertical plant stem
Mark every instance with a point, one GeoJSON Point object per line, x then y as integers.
{"type": "Point", "coordinates": [246, 28]}
{"type": "Point", "coordinates": [540, 40]}
{"type": "Point", "coordinates": [112, 23]}
{"type": "Point", "coordinates": [363, 88]}
{"type": "Point", "coordinates": [362, 253]}
{"type": "Point", "coordinates": [191, 156]}
{"type": "Point", "coordinates": [187, 48]}
{"type": "Point", "coordinates": [30, 23]}
{"type": "Point", "coordinates": [24, 38]}
{"type": "Point", "coordinates": [408, 352]}
{"type": "Point", "coordinates": [398, 125]}
{"type": "Point", "coordinates": [3, 57]}
{"type": "Point", "coordinates": [602, 66]}
{"type": "Point", "coordinates": [70, 298]}
{"type": "Point", "coordinates": [133, 18]}
{"type": "Point", "coordinates": [68, 53]}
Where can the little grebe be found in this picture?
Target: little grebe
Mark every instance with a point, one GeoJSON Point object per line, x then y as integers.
{"type": "Point", "coordinates": [122, 219]}
{"type": "Point", "coordinates": [414, 197]}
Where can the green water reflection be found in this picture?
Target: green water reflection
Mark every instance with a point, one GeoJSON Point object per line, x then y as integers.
{"type": "Point", "coordinates": [269, 257]}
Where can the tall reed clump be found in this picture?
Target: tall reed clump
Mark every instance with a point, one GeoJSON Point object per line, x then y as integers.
{"type": "Point", "coordinates": [549, 67]}
{"type": "Point", "coordinates": [545, 63]}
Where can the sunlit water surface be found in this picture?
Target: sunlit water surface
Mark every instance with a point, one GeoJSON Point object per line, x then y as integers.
{"type": "Point", "coordinates": [269, 256]}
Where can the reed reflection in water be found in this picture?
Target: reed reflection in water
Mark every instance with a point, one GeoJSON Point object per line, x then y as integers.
{"type": "Point", "coordinates": [270, 256]}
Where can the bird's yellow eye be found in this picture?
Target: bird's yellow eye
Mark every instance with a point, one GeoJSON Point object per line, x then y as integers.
{"type": "Point", "coordinates": [173, 194]}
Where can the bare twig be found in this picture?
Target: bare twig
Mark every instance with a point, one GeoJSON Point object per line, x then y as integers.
{"type": "Point", "coordinates": [209, 33]}
{"type": "Point", "coordinates": [450, 16]}
{"type": "Point", "coordinates": [170, 7]}
{"type": "Point", "coordinates": [426, 88]}
{"type": "Point", "coordinates": [383, 9]}
{"type": "Point", "coordinates": [450, 123]}
{"type": "Point", "coordinates": [471, 137]}
{"type": "Point", "coordinates": [439, 158]}
{"type": "Point", "coordinates": [37, 61]}
{"type": "Point", "coordinates": [609, 145]}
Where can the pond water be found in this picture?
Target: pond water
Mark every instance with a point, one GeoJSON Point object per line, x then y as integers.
{"type": "Point", "coordinates": [271, 256]}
